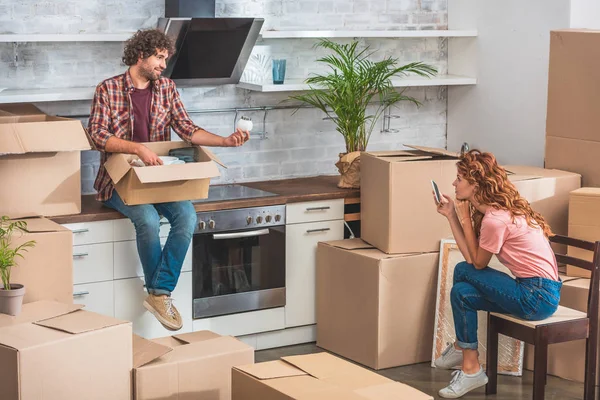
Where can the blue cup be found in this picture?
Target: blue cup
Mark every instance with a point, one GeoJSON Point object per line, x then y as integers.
{"type": "Point", "coordinates": [278, 72]}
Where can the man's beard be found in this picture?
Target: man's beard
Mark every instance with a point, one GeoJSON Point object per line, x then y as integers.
{"type": "Point", "coordinates": [149, 74]}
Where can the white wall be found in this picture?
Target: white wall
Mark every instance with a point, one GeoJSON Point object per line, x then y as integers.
{"type": "Point", "coordinates": [505, 113]}
{"type": "Point", "coordinates": [585, 14]}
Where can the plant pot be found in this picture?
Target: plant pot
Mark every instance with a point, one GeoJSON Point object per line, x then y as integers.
{"type": "Point", "coordinates": [12, 300]}
{"type": "Point", "coordinates": [349, 168]}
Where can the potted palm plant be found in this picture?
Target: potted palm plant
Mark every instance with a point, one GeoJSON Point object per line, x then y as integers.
{"type": "Point", "coordinates": [347, 90]}
{"type": "Point", "coordinates": [11, 294]}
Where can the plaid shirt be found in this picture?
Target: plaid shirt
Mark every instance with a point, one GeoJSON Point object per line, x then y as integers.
{"type": "Point", "coordinates": [112, 115]}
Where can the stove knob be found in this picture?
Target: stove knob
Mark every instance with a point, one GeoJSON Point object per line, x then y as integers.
{"type": "Point", "coordinates": [249, 219]}
{"type": "Point", "coordinates": [268, 218]}
{"type": "Point", "coordinates": [202, 225]}
{"type": "Point", "coordinates": [211, 224]}
{"type": "Point", "coordinates": [259, 220]}
{"type": "Point", "coordinates": [277, 218]}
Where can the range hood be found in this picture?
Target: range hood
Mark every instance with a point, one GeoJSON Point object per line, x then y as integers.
{"type": "Point", "coordinates": [209, 50]}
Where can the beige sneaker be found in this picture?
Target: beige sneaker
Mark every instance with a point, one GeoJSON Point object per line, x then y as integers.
{"type": "Point", "coordinates": [165, 312]}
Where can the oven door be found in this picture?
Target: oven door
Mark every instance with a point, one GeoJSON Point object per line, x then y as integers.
{"type": "Point", "coordinates": [238, 271]}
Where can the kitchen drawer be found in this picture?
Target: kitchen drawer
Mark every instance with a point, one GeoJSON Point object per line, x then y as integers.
{"type": "Point", "coordinates": [98, 297]}
{"type": "Point", "coordinates": [247, 323]}
{"type": "Point", "coordinates": [124, 229]}
{"type": "Point", "coordinates": [314, 211]}
{"type": "Point", "coordinates": [129, 306]}
{"type": "Point", "coordinates": [127, 262]}
{"type": "Point", "coordinates": [91, 232]}
{"type": "Point", "coordinates": [93, 263]}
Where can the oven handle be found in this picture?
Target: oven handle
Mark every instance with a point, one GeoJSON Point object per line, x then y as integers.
{"type": "Point", "coordinates": [259, 232]}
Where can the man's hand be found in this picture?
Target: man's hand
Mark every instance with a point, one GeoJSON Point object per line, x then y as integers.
{"type": "Point", "coordinates": [148, 156]}
{"type": "Point", "coordinates": [238, 138]}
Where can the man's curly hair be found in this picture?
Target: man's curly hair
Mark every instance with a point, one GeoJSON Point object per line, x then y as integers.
{"type": "Point", "coordinates": [144, 44]}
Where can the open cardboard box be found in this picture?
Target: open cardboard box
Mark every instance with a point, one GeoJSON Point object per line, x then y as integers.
{"type": "Point", "coordinates": [39, 162]}
{"type": "Point", "coordinates": [163, 183]}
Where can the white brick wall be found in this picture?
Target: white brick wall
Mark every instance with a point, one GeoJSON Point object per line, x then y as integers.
{"type": "Point", "coordinates": [302, 144]}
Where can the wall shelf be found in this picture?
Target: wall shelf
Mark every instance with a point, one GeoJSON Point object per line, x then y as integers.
{"type": "Point", "coordinates": [368, 34]}
{"type": "Point", "coordinates": [42, 95]}
{"type": "Point", "coordinates": [82, 37]}
{"type": "Point", "coordinates": [413, 81]}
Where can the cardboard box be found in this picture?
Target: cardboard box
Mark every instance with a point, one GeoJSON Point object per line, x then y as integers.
{"type": "Point", "coordinates": [567, 360]}
{"type": "Point", "coordinates": [57, 351]}
{"type": "Point", "coordinates": [584, 223]}
{"type": "Point", "coordinates": [164, 183]}
{"type": "Point", "coordinates": [572, 135]}
{"type": "Point", "coordinates": [362, 308]}
{"type": "Point", "coordinates": [46, 270]}
{"type": "Point", "coordinates": [398, 214]}
{"type": "Point", "coordinates": [189, 366]}
{"type": "Point", "coordinates": [319, 376]}
{"type": "Point", "coordinates": [547, 190]}
{"type": "Point", "coordinates": [39, 163]}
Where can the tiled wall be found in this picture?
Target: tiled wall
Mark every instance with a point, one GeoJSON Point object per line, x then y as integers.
{"type": "Point", "coordinates": [301, 144]}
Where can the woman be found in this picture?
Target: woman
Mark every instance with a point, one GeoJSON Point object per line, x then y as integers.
{"type": "Point", "coordinates": [490, 217]}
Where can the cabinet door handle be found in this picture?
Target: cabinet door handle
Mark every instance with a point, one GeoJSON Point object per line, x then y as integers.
{"type": "Point", "coordinates": [161, 223]}
{"type": "Point", "coordinates": [318, 208]}
{"type": "Point", "coordinates": [80, 255]}
{"type": "Point", "coordinates": [318, 230]}
{"type": "Point", "coordinates": [84, 230]}
{"type": "Point", "coordinates": [81, 294]}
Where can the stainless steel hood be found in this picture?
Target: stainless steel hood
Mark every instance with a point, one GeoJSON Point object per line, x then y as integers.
{"type": "Point", "coordinates": [209, 50]}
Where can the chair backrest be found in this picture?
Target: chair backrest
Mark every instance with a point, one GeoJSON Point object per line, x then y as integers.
{"type": "Point", "coordinates": [592, 266]}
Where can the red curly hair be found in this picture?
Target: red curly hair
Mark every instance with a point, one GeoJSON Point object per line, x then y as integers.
{"type": "Point", "coordinates": [495, 190]}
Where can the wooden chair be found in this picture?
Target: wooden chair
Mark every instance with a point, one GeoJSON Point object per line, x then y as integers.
{"type": "Point", "coordinates": [564, 326]}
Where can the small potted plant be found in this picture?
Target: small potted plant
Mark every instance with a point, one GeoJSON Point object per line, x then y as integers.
{"type": "Point", "coordinates": [348, 89]}
{"type": "Point", "coordinates": [11, 294]}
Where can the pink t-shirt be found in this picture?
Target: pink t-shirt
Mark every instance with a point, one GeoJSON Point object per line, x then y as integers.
{"type": "Point", "coordinates": [524, 250]}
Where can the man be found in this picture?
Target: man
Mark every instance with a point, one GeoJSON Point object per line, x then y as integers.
{"type": "Point", "coordinates": [141, 106]}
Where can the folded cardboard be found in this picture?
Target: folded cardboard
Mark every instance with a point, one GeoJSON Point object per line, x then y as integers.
{"type": "Point", "coordinates": [572, 135]}
{"type": "Point", "coordinates": [547, 190]}
{"type": "Point", "coordinates": [398, 214]}
{"type": "Point", "coordinates": [189, 366]}
{"type": "Point", "coordinates": [58, 351]}
{"type": "Point", "coordinates": [567, 360]}
{"type": "Point", "coordinates": [362, 308]}
{"type": "Point", "coordinates": [163, 183]}
{"type": "Point", "coordinates": [584, 223]}
{"type": "Point", "coordinates": [46, 269]}
{"type": "Point", "coordinates": [39, 163]}
{"type": "Point", "coordinates": [319, 376]}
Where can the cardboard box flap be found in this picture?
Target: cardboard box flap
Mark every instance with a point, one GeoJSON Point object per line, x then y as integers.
{"type": "Point", "coordinates": [79, 322]}
{"type": "Point", "coordinates": [336, 371]}
{"type": "Point", "coordinates": [117, 166]}
{"type": "Point", "coordinates": [32, 135]}
{"type": "Point", "coordinates": [358, 246]}
{"type": "Point", "coordinates": [350, 244]}
{"type": "Point", "coordinates": [181, 172]}
{"type": "Point", "coordinates": [212, 156]}
{"type": "Point", "coordinates": [392, 391]}
{"type": "Point", "coordinates": [519, 177]}
{"type": "Point", "coordinates": [145, 351]}
{"type": "Point", "coordinates": [271, 370]}
{"type": "Point", "coordinates": [195, 337]}
{"type": "Point", "coordinates": [20, 109]}
{"type": "Point", "coordinates": [405, 159]}
{"type": "Point", "coordinates": [433, 150]}
{"type": "Point", "coordinates": [37, 311]}
{"type": "Point", "coordinates": [40, 225]}
{"type": "Point", "coordinates": [586, 192]}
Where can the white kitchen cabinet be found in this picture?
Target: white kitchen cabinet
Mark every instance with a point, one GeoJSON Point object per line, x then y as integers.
{"type": "Point", "coordinates": [91, 232]}
{"type": "Point", "coordinates": [129, 298]}
{"type": "Point", "coordinates": [93, 263]}
{"type": "Point", "coordinates": [125, 230]}
{"type": "Point", "coordinates": [300, 267]}
{"type": "Point", "coordinates": [246, 323]}
{"type": "Point", "coordinates": [312, 211]}
{"type": "Point", "coordinates": [97, 297]}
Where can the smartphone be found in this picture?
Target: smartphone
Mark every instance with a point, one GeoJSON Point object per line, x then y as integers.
{"type": "Point", "coordinates": [436, 191]}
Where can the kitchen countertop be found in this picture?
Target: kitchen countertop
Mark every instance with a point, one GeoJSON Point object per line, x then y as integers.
{"type": "Point", "coordinates": [288, 191]}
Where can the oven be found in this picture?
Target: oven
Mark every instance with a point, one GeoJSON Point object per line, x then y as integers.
{"type": "Point", "coordinates": [238, 261]}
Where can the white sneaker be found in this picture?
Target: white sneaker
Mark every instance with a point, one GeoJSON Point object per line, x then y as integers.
{"type": "Point", "coordinates": [450, 358]}
{"type": "Point", "coordinates": [462, 383]}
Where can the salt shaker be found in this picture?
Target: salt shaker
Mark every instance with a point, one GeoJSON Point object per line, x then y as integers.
{"type": "Point", "coordinates": [244, 123]}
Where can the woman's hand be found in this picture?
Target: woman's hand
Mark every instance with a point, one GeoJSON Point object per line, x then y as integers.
{"type": "Point", "coordinates": [446, 206]}
{"type": "Point", "coordinates": [463, 211]}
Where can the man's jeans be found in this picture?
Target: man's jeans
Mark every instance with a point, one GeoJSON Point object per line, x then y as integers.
{"type": "Point", "coordinates": [161, 267]}
{"type": "Point", "coordinates": [491, 290]}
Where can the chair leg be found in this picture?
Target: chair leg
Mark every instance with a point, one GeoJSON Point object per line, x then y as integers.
{"type": "Point", "coordinates": [492, 356]}
{"type": "Point", "coordinates": [540, 365]}
{"type": "Point", "coordinates": [589, 388]}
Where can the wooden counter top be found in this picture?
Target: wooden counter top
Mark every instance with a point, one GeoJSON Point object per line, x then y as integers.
{"type": "Point", "coordinates": [287, 190]}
